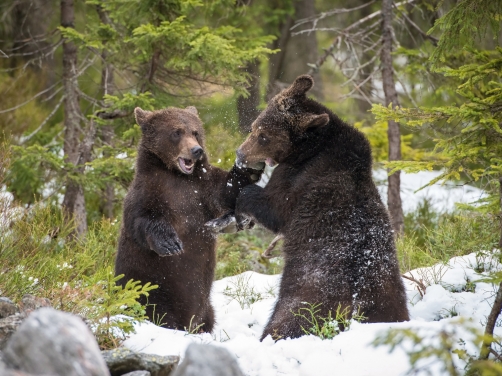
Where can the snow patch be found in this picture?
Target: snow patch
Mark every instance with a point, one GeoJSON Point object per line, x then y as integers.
{"type": "Point", "coordinates": [350, 353]}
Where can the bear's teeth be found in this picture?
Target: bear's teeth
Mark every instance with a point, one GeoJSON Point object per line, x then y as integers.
{"type": "Point", "coordinates": [186, 165]}
{"type": "Point", "coordinates": [270, 162]}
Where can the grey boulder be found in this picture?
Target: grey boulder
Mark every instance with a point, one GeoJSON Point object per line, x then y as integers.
{"type": "Point", "coordinates": [208, 360]}
{"type": "Point", "coordinates": [56, 343]}
{"type": "Point", "coordinates": [122, 360]}
{"type": "Point", "coordinates": [7, 307]}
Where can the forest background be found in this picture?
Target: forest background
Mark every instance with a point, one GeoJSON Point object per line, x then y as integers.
{"type": "Point", "coordinates": [420, 78]}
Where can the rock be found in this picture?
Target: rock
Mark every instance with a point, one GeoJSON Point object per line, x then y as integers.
{"type": "Point", "coordinates": [30, 303]}
{"type": "Point", "coordinates": [8, 327]}
{"type": "Point", "coordinates": [54, 343]}
{"type": "Point", "coordinates": [123, 360]}
{"type": "Point", "coordinates": [137, 373]}
{"type": "Point", "coordinates": [12, 372]}
{"type": "Point", "coordinates": [7, 308]}
{"type": "Point", "coordinates": [208, 360]}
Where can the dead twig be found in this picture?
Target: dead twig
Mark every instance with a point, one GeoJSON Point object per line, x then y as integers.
{"type": "Point", "coordinates": [319, 17]}
{"type": "Point", "coordinates": [420, 284]}
{"type": "Point", "coordinates": [322, 59]}
{"type": "Point", "coordinates": [268, 252]}
{"type": "Point", "coordinates": [421, 32]}
{"type": "Point", "coordinates": [27, 138]}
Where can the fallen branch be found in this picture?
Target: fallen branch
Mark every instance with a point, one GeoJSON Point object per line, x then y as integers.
{"type": "Point", "coordinates": [268, 252]}
{"type": "Point", "coordinates": [420, 284]}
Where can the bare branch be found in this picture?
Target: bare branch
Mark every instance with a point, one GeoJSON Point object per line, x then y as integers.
{"type": "Point", "coordinates": [423, 33]}
{"type": "Point", "coordinates": [496, 354]}
{"type": "Point", "coordinates": [50, 47]}
{"type": "Point", "coordinates": [30, 136]}
{"type": "Point", "coordinates": [406, 91]}
{"type": "Point", "coordinates": [115, 114]}
{"type": "Point", "coordinates": [32, 98]}
{"type": "Point", "coordinates": [89, 99]}
{"type": "Point", "coordinates": [3, 54]}
{"type": "Point", "coordinates": [329, 51]}
{"type": "Point", "coordinates": [323, 15]}
{"type": "Point", "coordinates": [359, 85]}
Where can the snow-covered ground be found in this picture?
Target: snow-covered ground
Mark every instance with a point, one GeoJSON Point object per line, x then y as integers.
{"type": "Point", "coordinates": [240, 321]}
{"type": "Point", "coordinates": [443, 196]}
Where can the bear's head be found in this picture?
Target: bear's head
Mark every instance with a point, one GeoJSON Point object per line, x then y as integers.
{"type": "Point", "coordinates": [174, 135]}
{"type": "Point", "coordinates": [288, 115]}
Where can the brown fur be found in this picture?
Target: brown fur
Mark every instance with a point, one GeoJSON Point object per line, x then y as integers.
{"type": "Point", "coordinates": [163, 239]}
{"type": "Point", "coordinates": [339, 246]}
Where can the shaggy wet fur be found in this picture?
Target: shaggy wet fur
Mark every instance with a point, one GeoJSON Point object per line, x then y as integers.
{"type": "Point", "coordinates": [339, 245]}
{"type": "Point", "coordinates": [163, 239]}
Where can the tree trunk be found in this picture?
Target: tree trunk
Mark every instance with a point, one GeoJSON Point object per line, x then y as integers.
{"type": "Point", "coordinates": [497, 304]}
{"type": "Point", "coordinates": [276, 61]}
{"type": "Point", "coordinates": [296, 52]}
{"type": "Point", "coordinates": [490, 325]}
{"type": "Point", "coordinates": [247, 108]}
{"type": "Point", "coordinates": [500, 219]}
{"type": "Point", "coordinates": [107, 132]}
{"type": "Point", "coordinates": [74, 201]}
{"type": "Point", "coordinates": [393, 133]}
{"type": "Point", "coordinates": [364, 105]}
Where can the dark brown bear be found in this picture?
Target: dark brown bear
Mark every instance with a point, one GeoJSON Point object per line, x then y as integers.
{"type": "Point", "coordinates": [174, 192]}
{"type": "Point", "coordinates": [338, 242]}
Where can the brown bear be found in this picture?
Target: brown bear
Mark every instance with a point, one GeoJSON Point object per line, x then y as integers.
{"type": "Point", "coordinates": [174, 192]}
{"type": "Point", "coordinates": [338, 241]}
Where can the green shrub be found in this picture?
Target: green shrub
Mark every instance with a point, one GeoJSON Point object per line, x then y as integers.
{"type": "Point", "coordinates": [430, 349]}
{"type": "Point", "coordinates": [432, 237]}
{"type": "Point", "coordinates": [38, 257]}
{"type": "Point", "coordinates": [239, 252]}
{"type": "Point", "coordinates": [244, 293]}
{"type": "Point", "coordinates": [326, 327]}
{"type": "Point", "coordinates": [417, 222]}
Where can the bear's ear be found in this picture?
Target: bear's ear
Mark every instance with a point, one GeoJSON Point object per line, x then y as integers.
{"type": "Point", "coordinates": [192, 110]}
{"type": "Point", "coordinates": [141, 116]}
{"type": "Point", "coordinates": [313, 121]}
{"type": "Point", "coordinates": [301, 85]}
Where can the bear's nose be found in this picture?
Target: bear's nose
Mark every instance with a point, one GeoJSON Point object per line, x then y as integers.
{"type": "Point", "coordinates": [240, 157]}
{"type": "Point", "coordinates": [197, 152]}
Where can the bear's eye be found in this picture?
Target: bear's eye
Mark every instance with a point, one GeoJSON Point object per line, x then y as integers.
{"type": "Point", "coordinates": [196, 134]}
{"type": "Point", "coordinates": [262, 139]}
{"type": "Point", "coordinates": [177, 132]}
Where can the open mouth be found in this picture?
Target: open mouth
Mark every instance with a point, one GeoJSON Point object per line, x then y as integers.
{"type": "Point", "coordinates": [186, 165]}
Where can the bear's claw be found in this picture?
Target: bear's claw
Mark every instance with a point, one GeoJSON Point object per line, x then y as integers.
{"type": "Point", "coordinates": [223, 225]}
{"type": "Point", "coordinates": [170, 247]}
{"type": "Point", "coordinates": [228, 223]}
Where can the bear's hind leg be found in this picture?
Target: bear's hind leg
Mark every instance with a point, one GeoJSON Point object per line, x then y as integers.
{"type": "Point", "coordinates": [208, 320]}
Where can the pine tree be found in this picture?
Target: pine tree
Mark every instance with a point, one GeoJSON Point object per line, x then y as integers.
{"type": "Point", "coordinates": [469, 134]}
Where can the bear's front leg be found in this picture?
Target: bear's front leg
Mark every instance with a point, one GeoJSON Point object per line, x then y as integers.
{"type": "Point", "coordinates": [253, 202]}
{"type": "Point", "coordinates": [158, 236]}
